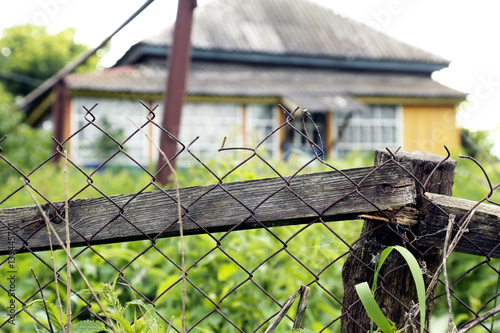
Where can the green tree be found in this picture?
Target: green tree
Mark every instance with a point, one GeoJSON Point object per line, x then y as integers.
{"type": "Point", "coordinates": [29, 55]}
{"type": "Point", "coordinates": [23, 146]}
{"type": "Point", "coordinates": [477, 143]}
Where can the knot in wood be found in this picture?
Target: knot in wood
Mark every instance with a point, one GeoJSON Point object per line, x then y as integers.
{"type": "Point", "coordinates": [388, 189]}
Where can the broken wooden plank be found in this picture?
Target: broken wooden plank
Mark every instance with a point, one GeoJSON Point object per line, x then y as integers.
{"type": "Point", "coordinates": [215, 208]}
{"type": "Point", "coordinates": [483, 234]}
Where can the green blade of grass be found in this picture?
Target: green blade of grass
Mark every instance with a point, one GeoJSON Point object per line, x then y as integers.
{"type": "Point", "coordinates": [416, 272]}
{"type": "Point", "coordinates": [372, 308]}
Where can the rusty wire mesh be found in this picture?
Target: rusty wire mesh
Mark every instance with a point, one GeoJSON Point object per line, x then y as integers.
{"type": "Point", "coordinates": [237, 281]}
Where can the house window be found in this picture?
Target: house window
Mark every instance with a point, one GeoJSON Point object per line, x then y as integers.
{"type": "Point", "coordinates": [242, 125]}
{"type": "Point", "coordinates": [211, 122]}
{"type": "Point", "coordinates": [377, 128]}
{"type": "Point", "coordinates": [261, 120]}
{"type": "Point", "coordinates": [91, 147]}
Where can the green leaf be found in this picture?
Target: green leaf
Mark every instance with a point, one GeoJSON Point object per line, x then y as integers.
{"type": "Point", "coordinates": [149, 320]}
{"type": "Point", "coordinates": [88, 326]}
{"type": "Point", "coordinates": [125, 324]}
{"type": "Point", "coordinates": [137, 302]}
{"type": "Point", "coordinates": [417, 278]}
{"type": "Point", "coordinates": [53, 312]}
{"type": "Point", "coordinates": [55, 315]}
{"type": "Point", "coordinates": [372, 308]}
{"type": "Point", "coordinates": [35, 302]}
{"type": "Point", "coordinates": [202, 330]}
{"type": "Point", "coordinates": [224, 271]}
{"type": "Point", "coordinates": [416, 272]}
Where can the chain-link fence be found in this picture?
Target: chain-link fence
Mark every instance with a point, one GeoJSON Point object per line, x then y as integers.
{"type": "Point", "coordinates": [225, 255]}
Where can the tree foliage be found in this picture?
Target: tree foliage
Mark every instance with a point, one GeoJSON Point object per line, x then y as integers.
{"type": "Point", "coordinates": [29, 55]}
{"type": "Point", "coordinates": [477, 143]}
{"type": "Point", "coordinates": [23, 145]}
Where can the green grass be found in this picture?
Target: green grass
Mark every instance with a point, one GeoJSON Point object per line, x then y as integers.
{"type": "Point", "coordinates": [154, 272]}
{"type": "Point", "coordinates": [264, 262]}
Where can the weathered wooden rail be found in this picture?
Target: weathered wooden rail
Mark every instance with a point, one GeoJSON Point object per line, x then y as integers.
{"type": "Point", "coordinates": [483, 229]}
{"type": "Point", "coordinates": [253, 204]}
{"type": "Point", "coordinates": [213, 208]}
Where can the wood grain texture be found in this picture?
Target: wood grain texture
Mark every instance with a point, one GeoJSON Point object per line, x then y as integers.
{"type": "Point", "coordinates": [214, 208]}
{"type": "Point", "coordinates": [396, 277]}
{"type": "Point", "coordinates": [483, 235]}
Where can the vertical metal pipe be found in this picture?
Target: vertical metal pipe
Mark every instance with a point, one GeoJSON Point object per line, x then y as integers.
{"type": "Point", "coordinates": [59, 112]}
{"type": "Point", "coordinates": [178, 65]}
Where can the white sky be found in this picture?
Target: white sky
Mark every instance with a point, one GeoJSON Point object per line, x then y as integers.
{"type": "Point", "coordinates": [463, 31]}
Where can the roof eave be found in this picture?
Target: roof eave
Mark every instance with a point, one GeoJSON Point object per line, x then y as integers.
{"type": "Point", "coordinates": [140, 51]}
{"type": "Point", "coordinates": [379, 65]}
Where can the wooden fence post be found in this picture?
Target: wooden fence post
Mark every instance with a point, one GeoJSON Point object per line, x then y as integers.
{"type": "Point", "coordinates": [398, 287]}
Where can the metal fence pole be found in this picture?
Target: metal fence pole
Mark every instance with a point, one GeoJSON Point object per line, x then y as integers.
{"type": "Point", "coordinates": [178, 66]}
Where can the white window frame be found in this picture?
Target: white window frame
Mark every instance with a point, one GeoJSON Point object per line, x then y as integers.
{"type": "Point", "coordinates": [224, 119]}
{"type": "Point", "coordinates": [137, 147]}
{"type": "Point", "coordinates": [358, 144]}
{"type": "Point", "coordinates": [257, 130]}
{"type": "Point", "coordinates": [206, 147]}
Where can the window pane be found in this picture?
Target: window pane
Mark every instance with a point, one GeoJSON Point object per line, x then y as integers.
{"type": "Point", "coordinates": [261, 119]}
{"type": "Point", "coordinates": [211, 122]}
{"type": "Point", "coordinates": [388, 112]}
{"type": "Point", "coordinates": [92, 146]}
{"type": "Point", "coordinates": [389, 134]}
{"type": "Point", "coordinates": [376, 134]}
{"type": "Point", "coordinates": [367, 131]}
{"type": "Point", "coordinates": [366, 114]}
{"type": "Point", "coordinates": [366, 134]}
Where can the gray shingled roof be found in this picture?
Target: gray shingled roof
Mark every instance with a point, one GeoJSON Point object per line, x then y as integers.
{"type": "Point", "coordinates": [301, 85]}
{"type": "Point", "coordinates": [290, 27]}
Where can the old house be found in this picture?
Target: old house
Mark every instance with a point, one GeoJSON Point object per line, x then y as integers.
{"type": "Point", "coordinates": [249, 56]}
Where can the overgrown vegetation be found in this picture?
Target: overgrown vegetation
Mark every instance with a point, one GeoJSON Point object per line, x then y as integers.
{"type": "Point", "coordinates": [31, 55]}
{"type": "Point", "coordinates": [143, 318]}
{"type": "Point", "coordinates": [23, 146]}
{"type": "Point", "coordinates": [217, 273]}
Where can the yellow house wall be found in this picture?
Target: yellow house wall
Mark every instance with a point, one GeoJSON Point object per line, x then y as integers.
{"type": "Point", "coordinates": [428, 128]}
